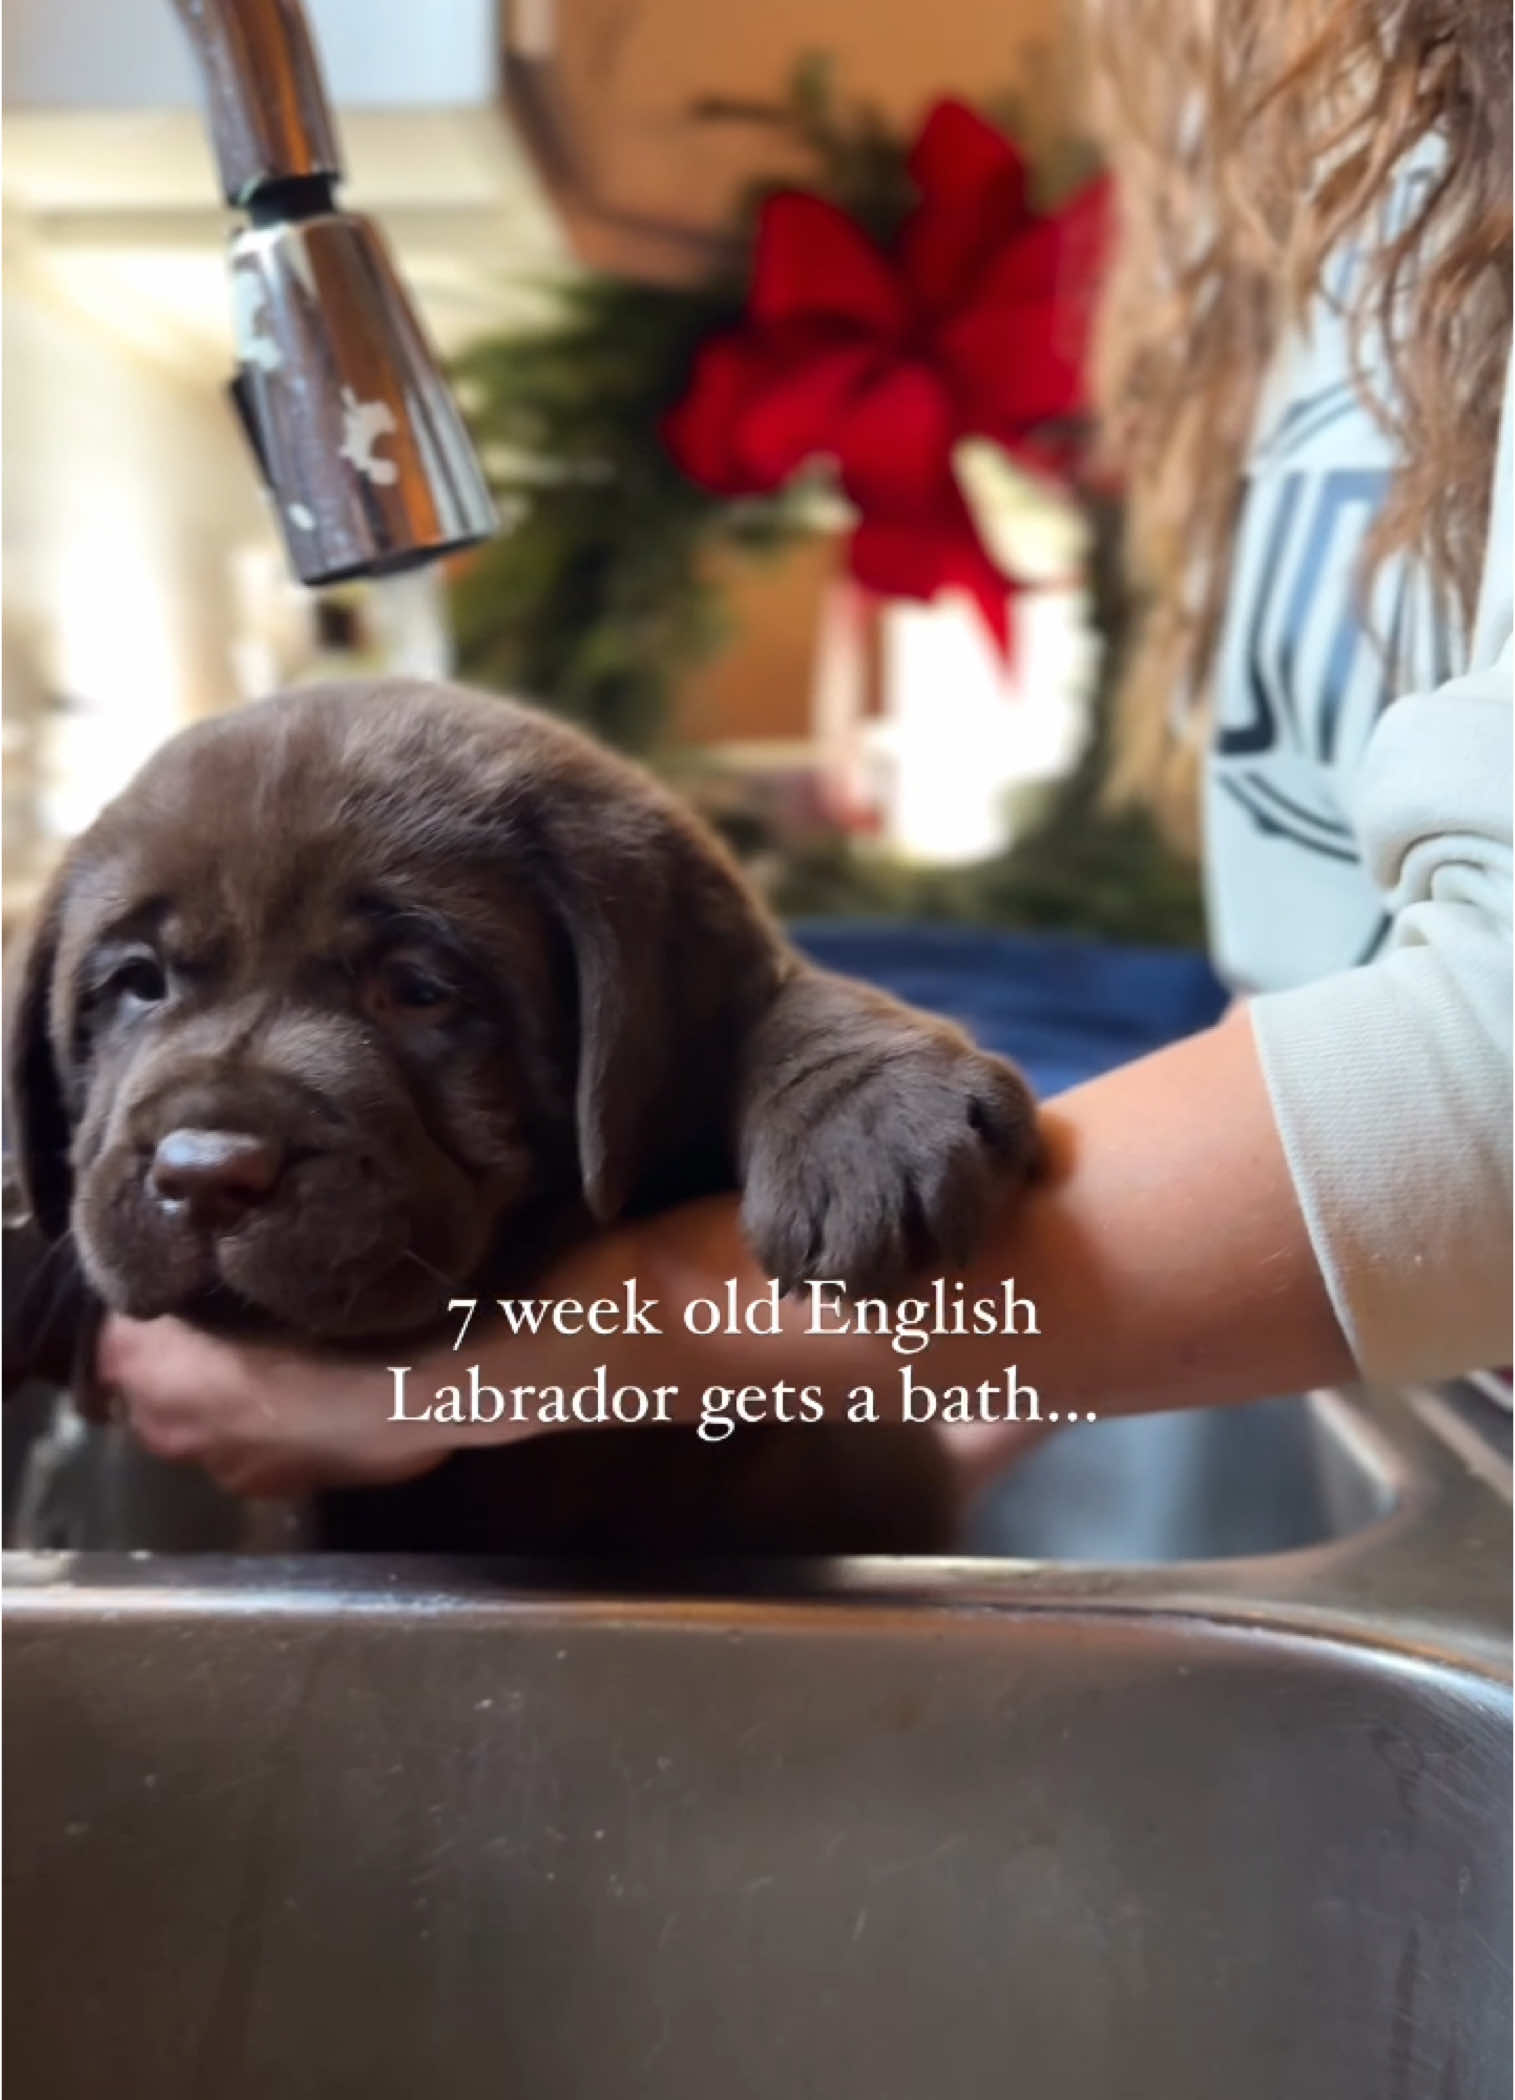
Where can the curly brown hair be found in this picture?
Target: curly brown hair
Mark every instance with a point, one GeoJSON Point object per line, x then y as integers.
{"type": "Point", "coordinates": [1249, 138]}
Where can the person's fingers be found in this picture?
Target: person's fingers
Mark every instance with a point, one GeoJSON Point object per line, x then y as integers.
{"type": "Point", "coordinates": [166, 1431]}
{"type": "Point", "coordinates": [161, 1357]}
{"type": "Point", "coordinates": [261, 1420]}
{"type": "Point", "coordinates": [114, 1353]}
{"type": "Point", "coordinates": [172, 1386]}
{"type": "Point", "coordinates": [273, 1474]}
{"type": "Point", "coordinates": [261, 1476]}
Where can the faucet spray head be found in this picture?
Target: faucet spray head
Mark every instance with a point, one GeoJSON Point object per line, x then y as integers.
{"type": "Point", "coordinates": [339, 391]}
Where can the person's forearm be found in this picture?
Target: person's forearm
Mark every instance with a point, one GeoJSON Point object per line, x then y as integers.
{"type": "Point", "coordinates": [1164, 1252]}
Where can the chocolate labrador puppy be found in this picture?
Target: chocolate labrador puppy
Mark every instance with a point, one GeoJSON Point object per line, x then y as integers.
{"type": "Point", "coordinates": [366, 997]}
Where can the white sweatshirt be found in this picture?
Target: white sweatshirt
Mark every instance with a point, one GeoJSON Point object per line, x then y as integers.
{"type": "Point", "coordinates": [1358, 853]}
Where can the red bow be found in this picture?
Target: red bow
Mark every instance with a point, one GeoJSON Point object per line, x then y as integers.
{"type": "Point", "coordinates": [976, 325]}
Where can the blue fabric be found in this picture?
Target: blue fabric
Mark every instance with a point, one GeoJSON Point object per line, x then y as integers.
{"type": "Point", "coordinates": [1064, 1009]}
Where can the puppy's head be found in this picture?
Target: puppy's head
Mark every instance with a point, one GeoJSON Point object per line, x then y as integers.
{"type": "Point", "coordinates": [348, 987]}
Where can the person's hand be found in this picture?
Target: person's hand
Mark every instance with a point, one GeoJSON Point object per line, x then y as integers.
{"type": "Point", "coordinates": [268, 1419]}
{"type": "Point", "coordinates": [262, 1420]}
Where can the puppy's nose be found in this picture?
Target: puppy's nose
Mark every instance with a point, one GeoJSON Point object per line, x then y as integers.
{"type": "Point", "coordinates": [216, 1174]}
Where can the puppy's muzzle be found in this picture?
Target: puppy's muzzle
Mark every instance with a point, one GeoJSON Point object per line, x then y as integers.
{"type": "Point", "coordinates": [214, 1177]}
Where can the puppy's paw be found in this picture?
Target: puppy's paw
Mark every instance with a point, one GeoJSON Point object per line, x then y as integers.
{"type": "Point", "coordinates": [877, 1141]}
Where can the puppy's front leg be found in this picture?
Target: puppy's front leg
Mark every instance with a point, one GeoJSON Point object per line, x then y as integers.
{"type": "Point", "coordinates": [872, 1140]}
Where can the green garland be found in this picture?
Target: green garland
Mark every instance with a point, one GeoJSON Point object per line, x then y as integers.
{"type": "Point", "coordinates": [595, 598]}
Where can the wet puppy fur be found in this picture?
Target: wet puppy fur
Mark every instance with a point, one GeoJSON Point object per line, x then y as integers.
{"type": "Point", "coordinates": [469, 987]}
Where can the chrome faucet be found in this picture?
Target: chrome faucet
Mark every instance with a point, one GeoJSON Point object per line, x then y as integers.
{"type": "Point", "coordinates": [337, 387]}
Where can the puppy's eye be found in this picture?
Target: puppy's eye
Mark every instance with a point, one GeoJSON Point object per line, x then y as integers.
{"type": "Point", "coordinates": [139, 977]}
{"type": "Point", "coordinates": [408, 990]}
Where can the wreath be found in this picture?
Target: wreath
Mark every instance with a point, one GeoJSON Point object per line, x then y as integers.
{"type": "Point", "coordinates": [861, 360]}
{"type": "Point", "coordinates": [867, 351]}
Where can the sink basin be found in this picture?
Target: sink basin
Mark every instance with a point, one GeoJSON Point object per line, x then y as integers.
{"type": "Point", "coordinates": [1205, 1484]}
{"type": "Point", "coordinates": [339, 1840]}
{"type": "Point", "coordinates": [1181, 1811]}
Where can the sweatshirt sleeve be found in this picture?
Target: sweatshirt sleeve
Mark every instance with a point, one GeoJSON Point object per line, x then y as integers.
{"type": "Point", "coordinates": [1390, 1083]}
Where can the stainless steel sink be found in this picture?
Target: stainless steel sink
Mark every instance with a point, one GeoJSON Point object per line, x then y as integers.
{"type": "Point", "coordinates": [1203, 1829]}
{"type": "Point", "coordinates": [1200, 1485]}
{"type": "Point", "coordinates": [1205, 1484]}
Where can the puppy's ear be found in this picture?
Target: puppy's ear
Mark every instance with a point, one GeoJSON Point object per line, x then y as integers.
{"type": "Point", "coordinates": [36, 1117]}
{"type": "Point", "coordinates": [624, 1031]}
{"type": "Point", "coordinates": [671, 954]}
